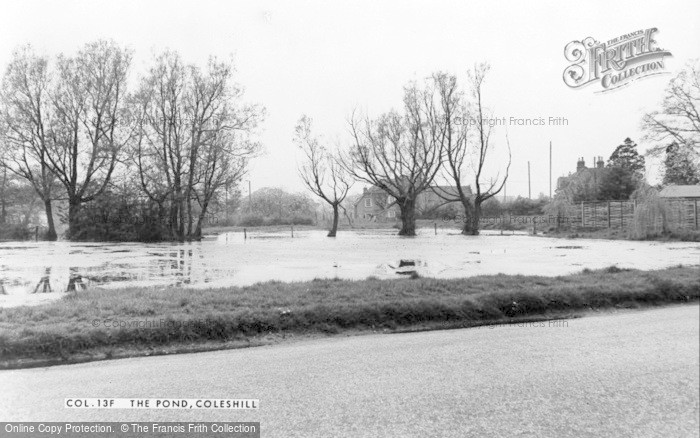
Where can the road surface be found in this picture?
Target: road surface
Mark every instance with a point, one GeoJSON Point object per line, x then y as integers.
{"type": "Point", "coordinates": [632, 373]}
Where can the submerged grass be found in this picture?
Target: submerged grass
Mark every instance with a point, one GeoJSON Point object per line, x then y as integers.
{"type": "Point", "coordinates": [94, 324]}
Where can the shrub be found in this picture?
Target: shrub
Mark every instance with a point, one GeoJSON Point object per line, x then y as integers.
{"type": "Point", "coordinates": [251, 220]}
{"type": "Point", "coordinates": [14, 232]}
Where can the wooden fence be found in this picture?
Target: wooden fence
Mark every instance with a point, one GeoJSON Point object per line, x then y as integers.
{"type": "Point", "coordinates": [679, 214]}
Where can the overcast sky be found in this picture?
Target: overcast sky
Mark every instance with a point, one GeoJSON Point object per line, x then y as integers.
{"type": "Point", "coordinates": [325, 59]}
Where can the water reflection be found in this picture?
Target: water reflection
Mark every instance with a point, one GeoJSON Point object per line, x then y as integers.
{"type": "Point", "coordinates": [35, 271]}
{"type": "Point", "coordinates": [44, 284]}
{"type": "Point", "coordinates": [22, 269]}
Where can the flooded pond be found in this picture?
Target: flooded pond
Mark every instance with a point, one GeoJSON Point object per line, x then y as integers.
{"type": "Point", "coordinates": [36, 271]}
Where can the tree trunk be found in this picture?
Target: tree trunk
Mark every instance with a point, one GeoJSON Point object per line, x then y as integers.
{"type": "Point", "coordinates": [334, 229]}
{"type": "Point", "coordinates": [200, 221]}
{"type": "Point", "coordinates": [3, 211]}
{"type": "Point", "coordinates": [408, 217]}
{"type": "Point", "coordinates": [51, 234]}
{"type": "Point", "coordinates": [73, 210]}
{"type": "Point", "coordinates": [472, 215]}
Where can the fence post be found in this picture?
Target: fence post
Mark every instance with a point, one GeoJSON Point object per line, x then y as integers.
{"type": "Point", "coordinates": [622, 216]}
{"type": "Point", "coordinates": [582, 215]}
{"type": "Point", "coordinates": [608, 214]}
{"type": "Point", "coordinates": [695, 211]}
{"type": "Point", "coordinates": [292, 230]}
{"type": "Point", "coordinates": [595, 215]}
{"type": "Point", "coordinates": [245, 234]}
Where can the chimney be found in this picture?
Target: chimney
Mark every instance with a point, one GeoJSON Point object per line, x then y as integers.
{"type": "Point", "coordinates": [600, 164]}
{"type": "Point", "coordinates": [580, 165]}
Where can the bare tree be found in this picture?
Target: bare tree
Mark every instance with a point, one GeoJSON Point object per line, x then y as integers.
{"type": "Point", "coordinates": [463, 147]}
{"type": "Point", "coordinates": [400, 153]}
{"type": "Point", "coordinates": [322, 171]}
{"type": "Point", "coordinates": [679, 117]}
{"type": "Point", "coordinates": [194, 138]}
{"type": "Point", "coordinates": [25, 121]}
{"type": "Point", "coordinates": [87, 128]}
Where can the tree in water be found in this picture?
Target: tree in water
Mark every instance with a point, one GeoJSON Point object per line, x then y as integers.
{"type": "Point", "coordinates": [26, 119]}
{"type": "Point", "coordinates": [322, 171]}
{"type": "Point", "coordinates": [400, 153]}
{"type": "Point", "coordinates": [194, 138]}
{"type": "Point", "coordinates": [466, 151]}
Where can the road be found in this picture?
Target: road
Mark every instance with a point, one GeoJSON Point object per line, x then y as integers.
{"type": "Point", "coordinates": [633, 373]}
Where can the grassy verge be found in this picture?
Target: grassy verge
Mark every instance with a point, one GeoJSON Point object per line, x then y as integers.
{"type": "Point", "coordinates": [99, 324]}
{"type": "Point", "coordinates": [617, 234]}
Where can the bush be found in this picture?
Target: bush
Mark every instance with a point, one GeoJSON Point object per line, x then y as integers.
{"type": "Point", "coordinates": [251, 220]}
{"type": "Point", "coordinates": [256, 220]}
{"type": "Point", "coordinates": [650, 214]}
{"type": "Point", "coordinates": [113, 218]}
{"type": "Point", "coordinates": [14, 232]}
{"type": "Point", "coordinates": [525, 206]}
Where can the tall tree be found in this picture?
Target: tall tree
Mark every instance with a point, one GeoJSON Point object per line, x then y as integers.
{"type": "Point", "coordinates": [25, 121]}
{"type": "Point", "coordinates": [465, 151]}
{"type": "Point", "coordinates": [679, 117]}
{"type": "Point", "coordinates": [626, 157]}
{"type": "Point", "coordinates": [195, 137]}
{"type": "Point", "coordinates": [400, 153]}
{"type": "Point", "coordinates": [681, 165]}
{"type": "Point", "coordinates": [322, 171]}
{"type": "Point", "coordinates": [87, 130]}
{"type": "Point", "coordinates": [616, 183]}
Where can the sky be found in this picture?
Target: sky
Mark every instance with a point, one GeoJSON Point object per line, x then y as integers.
{"type": "Point", "coordinates": [325, 59]}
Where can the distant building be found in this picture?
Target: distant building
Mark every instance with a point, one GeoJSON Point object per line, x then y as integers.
{"type": "Point", "coordinates": [681, 192]}
{"type": "Point", "coordinates": [594, 174]}
{"type": "Point", "coordinates": [376, 205]}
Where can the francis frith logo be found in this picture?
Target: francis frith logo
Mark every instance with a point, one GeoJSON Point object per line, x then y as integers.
{"type": "Point", "coordinates": [614, 63]}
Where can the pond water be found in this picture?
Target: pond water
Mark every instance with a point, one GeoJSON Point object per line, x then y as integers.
{"type": "Point", "coordinates": [32, 272]}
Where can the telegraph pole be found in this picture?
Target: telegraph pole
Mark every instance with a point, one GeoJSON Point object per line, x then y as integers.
{"type": "Point", "coordinates": [529, 192]}
{"type": "Point", "coordinates": [250, 198]}
{"type": "Point", "coordinates": [550, 169]}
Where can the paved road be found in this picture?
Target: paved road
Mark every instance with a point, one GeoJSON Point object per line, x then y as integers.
{"type": "Point", "coordinates": [630, 374]}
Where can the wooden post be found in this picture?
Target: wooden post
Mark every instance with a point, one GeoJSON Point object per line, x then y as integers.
{"type": "Point", "coordinates": [550, 169]}
{"type": "Point", "coordinates": [595, 215]}
{"type": "Point", "coordinates": [695, 211]}
{"type": "Point", "coordinates": [292, 231]}
{"type": "Point", "coordinates": [622, 216]}
{"type": "Point", "coordinates": [436, 228]}
{"type": "Point", "coordinates": [36, 234]}
{"type": "Point", "coordinates": [582, 214]}
{"type": "Point", "coordinates": [608, 214]}
{"type": "Point", "coordinates": [245, 234]}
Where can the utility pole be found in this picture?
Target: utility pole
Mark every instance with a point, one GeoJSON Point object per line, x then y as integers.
{"type": "Point", "coordinates": [250, 198]}
{"type": "Point", "coordinates": [550, 169]}
{"type": "Point", "coordinates": [529, 192]}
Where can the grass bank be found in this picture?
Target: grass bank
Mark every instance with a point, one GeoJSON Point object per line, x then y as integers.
{"type": "Point", "coordinates": [617, 234]}
{"type": "Point", "coordinates": [99, 324]}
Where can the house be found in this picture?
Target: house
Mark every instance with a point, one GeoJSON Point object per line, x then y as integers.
{"type": "Point", "coordinates": [593, 175]}
{"type": "Point", "coordinates": [681, 192]}
{"type": "Point", "coordinates": [376, 205]}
